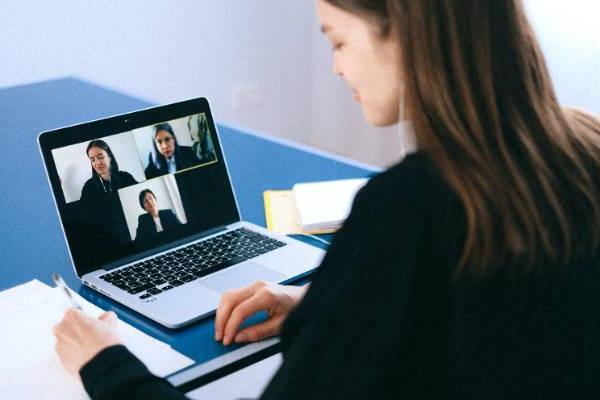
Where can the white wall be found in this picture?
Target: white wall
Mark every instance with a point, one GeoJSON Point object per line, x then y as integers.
{"type": "Point", "coordinates": [249, 58]}
{"type": "Point", "coordinates": [569, 32]}
{"type": "Point", "coordinates": [263, 63]}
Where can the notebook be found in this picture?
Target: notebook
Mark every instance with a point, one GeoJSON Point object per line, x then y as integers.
{"type": "Point", "coordinates": [150, 216]}
{"type": "Point", "coordinates": [325, 205]}
{"type": "Point", "coordinates": [314, 208]}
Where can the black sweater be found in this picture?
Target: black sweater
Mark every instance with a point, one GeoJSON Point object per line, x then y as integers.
{"type": "Point", "coordinates": [383, 319]}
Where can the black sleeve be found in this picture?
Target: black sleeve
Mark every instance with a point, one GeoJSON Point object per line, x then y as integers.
{"type": "Point", "coordinates": [348, 337]}
{"type": "Point", "coordinates": [88, 192]}
{"type": "Point", "coordinates": [115, 373]}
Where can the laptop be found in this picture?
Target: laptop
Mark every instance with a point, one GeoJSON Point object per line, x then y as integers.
{"type": "Point", "coordinates": [150, 216]}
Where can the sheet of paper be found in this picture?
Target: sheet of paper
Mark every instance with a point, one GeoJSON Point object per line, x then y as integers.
{"type": "Point", "coordinates": [30, 367]}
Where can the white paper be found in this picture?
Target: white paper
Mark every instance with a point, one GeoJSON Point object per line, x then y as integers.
{"type": "Point", "coordinates": [29, 365]}
{"type": "Point", "coordinates": [325, 205]}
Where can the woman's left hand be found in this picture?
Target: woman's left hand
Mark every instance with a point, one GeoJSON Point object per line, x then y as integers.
{"type": "Point", "coordinates": [80, 337]}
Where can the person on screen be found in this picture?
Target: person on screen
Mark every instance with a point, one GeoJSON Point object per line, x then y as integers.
{"type": "Point", "coordinates": [155, 221]}
{"type": "Point", "coordinates": [470, 269]}
{"type": "Point", "coordinates": [167, 156]}
{"type": "Point", "coordinates": [106, 176]}
{"type": "Point", "coordinates": [99, 196]}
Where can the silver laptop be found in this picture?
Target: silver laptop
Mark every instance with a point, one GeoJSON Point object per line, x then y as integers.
{"type": "Point", "coordinates": [150, 216]}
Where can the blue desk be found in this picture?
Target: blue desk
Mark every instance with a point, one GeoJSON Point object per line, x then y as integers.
{"type": "Point", "coordinates": [32, 243]}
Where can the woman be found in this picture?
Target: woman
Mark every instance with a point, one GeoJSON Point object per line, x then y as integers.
{"type": "Point", "coordinates": [168, 156]}
{"type": "Point", "coordinates": [106, 177]}
{"type": "Point", "coordinates": [99, 196]}
{"type": "Point", "coordinates": [469, 270]}
{"type": "Point", "coordinates": [154, 221]}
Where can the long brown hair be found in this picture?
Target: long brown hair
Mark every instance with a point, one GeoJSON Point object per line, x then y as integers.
{"type": "Point", "coordinates": [484, 109]}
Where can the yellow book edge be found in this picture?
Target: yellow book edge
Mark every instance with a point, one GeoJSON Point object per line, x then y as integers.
{"type": "Point", "coordinates": [281, 214]}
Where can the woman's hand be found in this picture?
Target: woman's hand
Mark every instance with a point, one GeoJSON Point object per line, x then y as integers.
{"type": "Point", "coordinates": [237, 305]}
{"type": "Point", "coordinates": [80, 337]}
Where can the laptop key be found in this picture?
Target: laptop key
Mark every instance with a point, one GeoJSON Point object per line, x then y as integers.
{"type": "Point", "coordinates": [168, 287]}
{"type": "Point", "coordinates": [176, 282]}
{"type": "Point", "coordinates": [198, 273]}
{"type": "Point", "coordinates": [119, 283]}
{"type": "Point", "coordinates": [139, 289]}
{"type": "Point", "coordinates": [145, 296]}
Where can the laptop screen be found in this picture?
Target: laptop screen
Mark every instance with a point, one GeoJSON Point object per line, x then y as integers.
{"type": "Point", "coordinates": [132, 185]}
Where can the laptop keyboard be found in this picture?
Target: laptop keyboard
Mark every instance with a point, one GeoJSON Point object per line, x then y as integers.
{"type": "Point", "coordinates": [162, 273]}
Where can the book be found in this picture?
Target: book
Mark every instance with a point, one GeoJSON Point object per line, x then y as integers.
{"type": "Point", "coordinates": [313, 207]}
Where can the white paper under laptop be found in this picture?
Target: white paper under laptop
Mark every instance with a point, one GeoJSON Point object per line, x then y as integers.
{"type": "Point", "coordinates": [150, 216]}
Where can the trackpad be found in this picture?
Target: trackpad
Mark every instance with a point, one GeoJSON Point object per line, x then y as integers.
{"type": "Point", "coordinates": [243, 275]}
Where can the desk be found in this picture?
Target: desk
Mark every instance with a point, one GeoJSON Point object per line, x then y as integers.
{"type": "Point", "coordinates": [33, 245]}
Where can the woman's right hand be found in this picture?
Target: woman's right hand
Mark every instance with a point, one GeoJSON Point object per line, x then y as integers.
{"type": "Point", "coordinates": [239, 304]}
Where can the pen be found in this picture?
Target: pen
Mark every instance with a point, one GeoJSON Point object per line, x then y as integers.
{"type": "Point", "coordinates": [59, 281]}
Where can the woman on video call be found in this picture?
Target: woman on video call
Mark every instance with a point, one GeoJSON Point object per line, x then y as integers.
{"type": "Point", "coordinates": [99, 195]}
{"type": "Point", "coordinates": [154, 221]}
{"type": "Point", "coordinates": [469, 270]}
{"type": "Point", "coordinates": [106, 176]}
{"type": "Point", "coordinates": [168, 156]}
